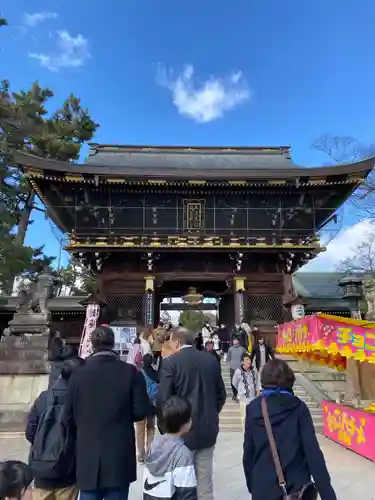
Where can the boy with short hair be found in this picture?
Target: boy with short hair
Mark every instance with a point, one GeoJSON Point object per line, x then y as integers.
{"type": "Point", "coordinates": [169, 465]}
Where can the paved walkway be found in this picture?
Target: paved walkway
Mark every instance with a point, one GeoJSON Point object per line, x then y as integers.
{"type": "Point", "coordinates": [353, 476]}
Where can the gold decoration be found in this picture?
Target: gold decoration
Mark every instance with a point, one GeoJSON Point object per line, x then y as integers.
{"type": "Point", "coordinates": [197, 183]}
{"type": "Point", "coordinates": [239, 284]}
{"type": "Point", "coordinates": [194, 215]}
{"type": "Point", "coordinates": [74, 178]}
{"type": "Point", "coordinates": [277, 182]}
{"type": "Point", "coordinates": [149, 283]}
{"type": "Point", "coordinates": [34, 173]}
{"type": "Point", "coordinates": [193, 297]}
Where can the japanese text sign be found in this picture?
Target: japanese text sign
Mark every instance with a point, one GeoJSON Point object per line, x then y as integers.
{"type": "Point", "coordinates": [353, 429]}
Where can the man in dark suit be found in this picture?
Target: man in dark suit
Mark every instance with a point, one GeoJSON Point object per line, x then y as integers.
{"type": "Point", "coordinates": [195, 376]}
{"type": "Point", "coordinates": [105, 398]}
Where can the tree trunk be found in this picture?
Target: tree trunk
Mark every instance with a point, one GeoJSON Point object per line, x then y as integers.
{"type": "Point", "coordinates": [25, 217]}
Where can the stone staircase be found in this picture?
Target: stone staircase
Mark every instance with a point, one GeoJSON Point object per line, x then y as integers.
{"type": "Point", "coordinates": [313, 406]}
{"type": "Point", "coordinates": [230, 419]}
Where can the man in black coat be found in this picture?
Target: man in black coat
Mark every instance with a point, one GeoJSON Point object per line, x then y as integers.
{"type": "Point", "coordinates": [195, 376]}
{"type": "Point", "coordinates": [105, 398]}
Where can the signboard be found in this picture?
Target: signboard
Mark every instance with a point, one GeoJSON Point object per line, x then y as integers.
{"type": "Point", "coordinates": [353, 429]}
{"type": "Point", "coordinates": [124, 336]}
{"type": "Point", "coordinates": [321, 332]}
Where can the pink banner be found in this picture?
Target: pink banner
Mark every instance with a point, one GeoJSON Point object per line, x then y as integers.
{"type": "Point", "coordinates": [92, 315]}
{"type": "Point", "coordinates": [353, 429]}
{"type": "Point", "coordinates": [349, 338]}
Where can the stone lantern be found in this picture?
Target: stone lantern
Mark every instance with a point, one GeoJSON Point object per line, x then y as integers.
{"type": "Point", "coordinates": [353, 292]}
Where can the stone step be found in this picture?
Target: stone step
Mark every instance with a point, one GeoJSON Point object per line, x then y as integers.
{"type": "Point", "coordinates": [322, 377]}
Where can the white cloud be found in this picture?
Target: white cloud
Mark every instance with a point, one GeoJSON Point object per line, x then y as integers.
{"type": "Point", "coordinates": [71, 52]}
{"type": "Point", "coordinates": [32, 20]}
{"type": "Point", "coordinates": [341, 247]}
{"type": "Point", "coordinates": [204, 101]}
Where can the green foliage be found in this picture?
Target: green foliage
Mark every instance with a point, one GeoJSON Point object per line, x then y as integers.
{"type": "Point", "coordinates": [26, 125]}
{"type": "Point", "coordinates": [193, 320]}
{"type": "Point", "coordinates": [75, 280]}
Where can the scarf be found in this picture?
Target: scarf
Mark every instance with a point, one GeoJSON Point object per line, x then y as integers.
{"type": "Point", "coordinates": [246, 384]}
{"type": "Point", "coordinates": [267, 392]}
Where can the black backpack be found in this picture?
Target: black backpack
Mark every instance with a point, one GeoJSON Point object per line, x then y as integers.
{"type": "Point", "coordinates": [53, 451]}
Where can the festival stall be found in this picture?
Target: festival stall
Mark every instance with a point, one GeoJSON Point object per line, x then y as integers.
{"type": "Point", "coordinates": [331, 341]}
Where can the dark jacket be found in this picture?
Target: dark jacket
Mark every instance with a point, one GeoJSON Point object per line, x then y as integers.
{"type": "Point", "coordinates": [224, 334]}
{"type": "Point", "coordinates": [298, 448]}
{"type": "Point", "coordinates": [216, 356]}
{"type": "Point", "coordinates": [59, 390]}
{"type": "Point", "coordinates": [255, 353]}
{"type": "Point", "coordinates": [105, 397]}
{"type": "Point", "coordinates": [241, 335]}
{"type": "Point", "coordinates": [195, 375]}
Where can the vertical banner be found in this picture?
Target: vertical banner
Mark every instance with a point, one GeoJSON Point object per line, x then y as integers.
{"type": "Point", "coordinates": [92, 316]}
{"type": "Point", "coordinates": [149, 309]}
{"type": "Point", "coordinates": [239, 308]}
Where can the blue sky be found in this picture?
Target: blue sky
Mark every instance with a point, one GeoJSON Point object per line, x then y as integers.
{"type": "Point", "coordinates": [246, 72]}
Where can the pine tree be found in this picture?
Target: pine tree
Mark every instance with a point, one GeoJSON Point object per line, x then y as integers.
{"type": "Point", "coordinates": [25, 125]}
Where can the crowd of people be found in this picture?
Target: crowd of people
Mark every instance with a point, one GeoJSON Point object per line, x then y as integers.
{"type": "Point", "coordinates": [98, 418]}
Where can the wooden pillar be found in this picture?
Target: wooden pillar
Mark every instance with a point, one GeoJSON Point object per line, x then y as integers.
{"type": "Point", "coordinates": [239, 306]}
{"type": "Point", "coordinates": [149, 302]}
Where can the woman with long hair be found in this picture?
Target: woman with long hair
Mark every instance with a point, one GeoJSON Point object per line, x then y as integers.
{"type": "Point", "coordinates": [135, 355]}
{"type": "Point", "coordinates": [279, 423]}
{"type": "Point", "coordinates": [145, 429]}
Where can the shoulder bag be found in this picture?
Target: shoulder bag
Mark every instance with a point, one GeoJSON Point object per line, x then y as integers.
{"type": "Point", "coordinates": [308, 491]}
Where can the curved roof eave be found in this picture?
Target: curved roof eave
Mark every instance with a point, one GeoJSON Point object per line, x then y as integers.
{"type": "Point", "coordinates": [29, 161]}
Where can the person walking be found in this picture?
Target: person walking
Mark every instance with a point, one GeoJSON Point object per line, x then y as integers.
{"type": "Point", "coordinates": [234, 358]}
{"type": "Point", "coordinates": [62, 487]}
{"type": "Point", "coordinates": [104, 400]}
{"type": "Point", "coordinates": [244, 381]}
{"type": "Point", "coordinates": [145, 338]}
{"type": "Point", "coordinates": [210, 349]}
{"type": "Point", "coordinates": [135, 354]}
{"type": "Point", "coordinates": [169, 466]}
{"type": "Point", "coordinates": [195, 376]}
{"type": "Point", "coordinates": [224, 336]}
{"type": "Point", "coordinates": [240, 334]}
{"type": "Point", "coordinates": [68, 351]}
{"type": "Point", "coordinates": [158, 339]}
{"type": "Point", "coordinates": [262, 352]}
{"type": "Point", "coordinates": [287, 420]}
{"type": "Point", "coordinates": [145, 429]}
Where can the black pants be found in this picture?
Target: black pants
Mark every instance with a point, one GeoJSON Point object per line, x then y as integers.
{"type": "Point", "coordinates": [234, 390]}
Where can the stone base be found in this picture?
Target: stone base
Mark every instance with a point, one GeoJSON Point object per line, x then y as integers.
{"type": "Point", "coordinates": [24, 370]}
{"type": "Point", "coordinates": [17, 394]}
{"type": "Point", "coordinates": [26, 354]}
{"type": "Point", "coordinates": [35, 323]}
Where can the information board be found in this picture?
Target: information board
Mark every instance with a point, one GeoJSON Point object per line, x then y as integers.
{"type": "Point", "coordinates": [124, 336]}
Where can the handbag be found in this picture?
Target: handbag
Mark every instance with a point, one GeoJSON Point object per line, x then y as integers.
{"type": "Point", "coordinates": [308, 491]}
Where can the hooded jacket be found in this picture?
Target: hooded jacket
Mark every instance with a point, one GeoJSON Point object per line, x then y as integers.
{"type": "Point", "coordinates": [169, 470]}
{"type": "Point", "coordinates": [297, 445]}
